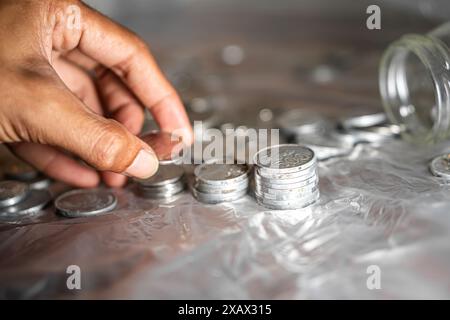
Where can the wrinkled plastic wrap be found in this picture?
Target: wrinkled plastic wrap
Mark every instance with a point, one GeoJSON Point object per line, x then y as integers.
{"type": "Point", "coordinates": [378, 206]}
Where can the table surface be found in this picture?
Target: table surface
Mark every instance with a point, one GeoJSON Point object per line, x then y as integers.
{"type": "Point", "coordinates": [379, 206]}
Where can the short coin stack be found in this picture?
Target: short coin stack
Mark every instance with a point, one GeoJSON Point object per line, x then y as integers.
{"type": "Point", "coordinates": [216, 183]}
{"type": "Point", "coordinates": [17, 199]}
{"type": "Point", "coordinates": [167, 182]}
{"type": "Point", "coordinates": [286, 177]}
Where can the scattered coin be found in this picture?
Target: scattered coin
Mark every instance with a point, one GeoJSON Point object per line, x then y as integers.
{"type": "Point", "coordinates": [370, 128]}
{"type": "Point", "coordinates": [85, 202]}
{"type": "Point", "coordinates": [12, 192]}
{"type": "Point", "coordinates": [440, 166]}
{"type": "Point", "coordinates": [296, 122]}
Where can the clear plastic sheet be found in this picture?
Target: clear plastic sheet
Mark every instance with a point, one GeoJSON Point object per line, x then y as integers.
{"type": "Point", "coordinates": [379, 206]}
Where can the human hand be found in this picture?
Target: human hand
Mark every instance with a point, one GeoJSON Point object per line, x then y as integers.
{"type": "Point", "coordinates": [64, 68]}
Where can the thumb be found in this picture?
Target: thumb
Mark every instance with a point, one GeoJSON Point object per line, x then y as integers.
{"type": "Point", "coordinates": [105, 144]}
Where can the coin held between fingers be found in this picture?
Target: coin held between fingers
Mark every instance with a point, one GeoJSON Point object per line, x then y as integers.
{"type": "Point", "coordinates": [144, 165]}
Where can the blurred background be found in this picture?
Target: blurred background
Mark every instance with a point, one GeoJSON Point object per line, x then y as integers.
{"type": "Point", "coordinates": [274, 54]}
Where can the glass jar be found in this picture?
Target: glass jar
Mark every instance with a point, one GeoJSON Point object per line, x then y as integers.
{"type": "Point", "coordinates": [415, 85]}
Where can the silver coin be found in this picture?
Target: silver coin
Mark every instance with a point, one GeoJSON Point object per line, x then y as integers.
{"type": "Point", "coordinates": [281, 183]}
{"type": "Point", "coordinates": [221, 174]}
{"type": "Point", "coordinates": [164, 188]}
{"type": "Point", "coordinates": [166, 174]}
{"type": "Point", "coordinates": [218, 198]}
{"type": "Point", "coordinates": [440, 166]}
{"type": "Point", "coordinates": [364, 121]}
{"type": "Point", "coordinates": [301, 175]}
{"type": "Point", "coordinates": [34, 202]}
{"type": "Point", "coordinates": [85, 202]}
{"type": "Point", "coordinates": [163, 192]}
{"type": "Point", "coordinates": [330, 145]}
{"type": "Point", "coordinates": [287, 205]}
{"type": "Point", "coordinates": [208, 188]}
{"type": "Point", "coordinates": [289, 191]}
{"type": "Point", "coordinates": [288, 187]}
{"type": "Point", "coordinates": [299, 122]}
{"type": "Point", "coordinates": [12, 192]}
{"type": "Point", "coordinates": [284, 158]}
{"type": "Point", "coordinates": [40, 182]}
{"type": "Point", "coordinates": [293, 194]}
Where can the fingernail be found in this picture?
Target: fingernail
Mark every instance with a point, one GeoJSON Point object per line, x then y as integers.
{"type": "Point", "coordinates": [144, 165]}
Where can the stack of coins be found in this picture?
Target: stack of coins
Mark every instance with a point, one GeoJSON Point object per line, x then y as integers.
{"type": "Point", "coordinates": [17, 199]}
{"type": "Point", "coordinates": [169, 179]}
{"type": "Point", "coordinates": [20, 171]}
{"type": "Point", "coordinates": [216, 183]}
{"type": "Point", "coordinates": [286, 177]}
{"type": "Point", "coordinates": [85, 202]}
{"type": "Point", "coordinates": [167, 182]}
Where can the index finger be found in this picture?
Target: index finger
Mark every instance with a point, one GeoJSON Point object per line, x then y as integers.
{"type": "Point", "coordinates": [129, 57]}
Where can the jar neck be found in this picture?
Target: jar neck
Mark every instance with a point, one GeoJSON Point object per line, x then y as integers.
{"type": "Point", "coordinates": [434, 57]}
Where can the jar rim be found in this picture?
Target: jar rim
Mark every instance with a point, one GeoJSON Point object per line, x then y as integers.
{"type": "Point", "coordinates": [432, 54]}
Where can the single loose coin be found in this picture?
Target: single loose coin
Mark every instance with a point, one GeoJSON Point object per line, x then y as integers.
{"type": "Point", "coordinates": [12, 192]}
{"type": "Point", "coordinates": [85, 202]}
{"type": "Point", "coordinates": [440, 166]}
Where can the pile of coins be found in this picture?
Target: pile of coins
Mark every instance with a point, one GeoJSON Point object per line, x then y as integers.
{"type": "Point", "coordinates": [440, 167]}
{"type": "Point", "coordinates": [166, 183]}
{"type": "Point", "coordinates": [20, 171]}
{"type": "Point", "coordinates": [286, 177]}
{"type": "Point", "coordinates": [17, 199]}
{"type": "Point", "coordinates": [85, 202]}
{"type": "Point", "coordinates": [216, 183]}
{"type": "Point", "coordinates": [169, 180]}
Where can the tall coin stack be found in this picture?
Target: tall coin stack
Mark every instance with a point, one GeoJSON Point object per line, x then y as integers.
{"type": "Point", "coordinates": [215, 183]}
{"type": "Point", "coordinates": [286, 177]}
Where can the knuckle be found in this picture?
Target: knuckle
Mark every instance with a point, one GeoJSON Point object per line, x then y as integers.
{"type": "Point", "coordinates": [111, 148]}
